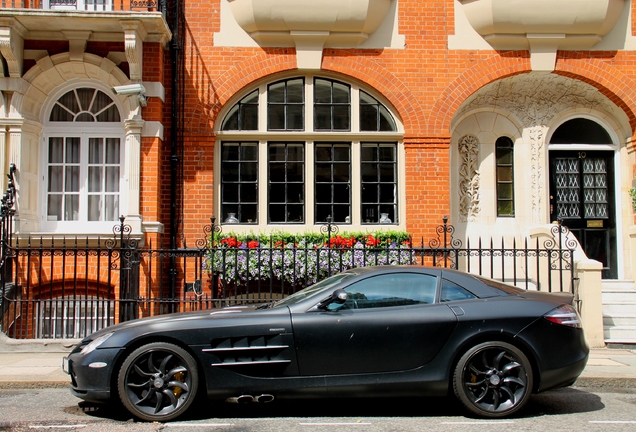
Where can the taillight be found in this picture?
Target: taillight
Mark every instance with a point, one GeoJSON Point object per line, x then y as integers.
{"type": "Point", "coordinates": [565, 315]}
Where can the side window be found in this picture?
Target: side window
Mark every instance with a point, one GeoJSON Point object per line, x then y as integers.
{"type": "Point", "coordinates": [400, 289]}
{"type": "Point", "coordinates": [453, 292]}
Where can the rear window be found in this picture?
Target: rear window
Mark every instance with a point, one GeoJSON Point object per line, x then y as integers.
{"type": "Point", "coordinates": [501, 287]}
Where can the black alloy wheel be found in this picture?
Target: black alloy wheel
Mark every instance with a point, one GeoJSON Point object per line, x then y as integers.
{"type": "Point", "coordinates": [493, 379]}
{"type": "Point", "coordinates": [158, 382]}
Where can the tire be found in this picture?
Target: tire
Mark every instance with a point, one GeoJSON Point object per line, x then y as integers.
{"type": "Point", "coordinates": [493, 379]}
{"type": "Point", "coordinates": [158, 382]}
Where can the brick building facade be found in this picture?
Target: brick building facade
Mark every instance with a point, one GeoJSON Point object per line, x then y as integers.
{"type": "Point", "coordinates": [497, 114]}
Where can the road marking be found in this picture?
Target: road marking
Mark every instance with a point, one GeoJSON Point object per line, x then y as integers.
{"type": "Point", "coordinates": [478, 422]}
{"type": "Point", "coordinates": [613, 421]}
{"type": "Point", "coordinates": [335, 424]}
{"type": "Point", "coordinates": [59, 426]}
{"type": "Point", "coordinates": [198, 424]}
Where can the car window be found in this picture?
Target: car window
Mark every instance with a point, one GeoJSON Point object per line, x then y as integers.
{"type": "Point", "coordinates": [323, 285]}
{"type": "Point", "coordinates": [396, 289]}
{"type": "Point", "coordinates": [453, 292]}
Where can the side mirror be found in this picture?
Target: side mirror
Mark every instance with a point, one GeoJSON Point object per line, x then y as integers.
{"type": "Point", "coordinates": [339, 296]}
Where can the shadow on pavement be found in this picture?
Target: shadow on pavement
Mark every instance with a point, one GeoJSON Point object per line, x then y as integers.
{"type": "Point", "coordinates": [556, 402]}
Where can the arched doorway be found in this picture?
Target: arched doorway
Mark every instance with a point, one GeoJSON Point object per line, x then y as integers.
{"type": "Point", "coordinates": [582, 189]}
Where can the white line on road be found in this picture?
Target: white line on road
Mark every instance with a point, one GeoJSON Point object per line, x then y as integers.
{"type": "Point", "coordinates": [478, 422]}
{"type": "Point", "coordinates": [58, 426]}
{"type": "Point", "coordinates": [614, 422]}
{"type": "Point", "coordinates": [335, 424]}
{"type": "Point", "coordinates": [198, 424]}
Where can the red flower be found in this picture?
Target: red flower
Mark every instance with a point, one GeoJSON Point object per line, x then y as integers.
{"type": "Point", "coordinates": [252, 244]}
{"type": "Point", "coordinates": [231, 242]}
{"type": "Point", "coordinates": [371, 241]}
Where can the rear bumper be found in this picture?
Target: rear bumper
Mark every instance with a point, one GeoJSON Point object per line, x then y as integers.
{"type": "Point", "coordinates": [562, 377]}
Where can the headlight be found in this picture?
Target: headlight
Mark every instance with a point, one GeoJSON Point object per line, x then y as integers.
{"type": "Point", "coordinates": [95, 343]}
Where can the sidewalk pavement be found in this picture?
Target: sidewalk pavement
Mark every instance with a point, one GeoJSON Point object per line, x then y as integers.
{"type": "Point", "coordinates": [38, 364]}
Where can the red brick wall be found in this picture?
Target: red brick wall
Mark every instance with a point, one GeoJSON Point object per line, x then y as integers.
{"type": "Point", "coordinates": [425, 82]}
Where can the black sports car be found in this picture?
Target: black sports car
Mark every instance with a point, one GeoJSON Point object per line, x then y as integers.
{"type": "Point", "coordinates": [393, 330]}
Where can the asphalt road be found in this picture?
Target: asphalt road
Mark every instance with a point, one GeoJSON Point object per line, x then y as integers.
{"type": "Point", "coordinates": [564, 409]}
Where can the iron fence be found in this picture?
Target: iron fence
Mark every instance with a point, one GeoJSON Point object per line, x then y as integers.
{"type": "Point", "coordinates": [72, 288]}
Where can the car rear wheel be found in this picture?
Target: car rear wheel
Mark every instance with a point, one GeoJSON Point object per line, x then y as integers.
{"type": "Point", "coordinates": [158, 381]}
{"type": "Point", "coordinates": [493, 379]}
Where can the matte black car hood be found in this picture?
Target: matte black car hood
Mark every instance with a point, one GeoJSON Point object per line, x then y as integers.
{"type": "Point", "coordinates": [175, 317]}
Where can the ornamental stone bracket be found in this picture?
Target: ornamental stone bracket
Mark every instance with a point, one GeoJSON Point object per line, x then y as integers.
{"type": "Point", "coordinates": [543, 26]}
{"type": "Point", "coordinates": [77, 43]}
{"type": "Point", "coordinates": [309, 25]}
{"type": "Point", "coordinates": [134, 34]}
{"type": "Point", "coordinates": [12, 46]}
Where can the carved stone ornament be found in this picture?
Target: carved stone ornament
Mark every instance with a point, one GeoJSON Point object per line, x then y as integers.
{"type": "Point", "coordinates": [469, 177]}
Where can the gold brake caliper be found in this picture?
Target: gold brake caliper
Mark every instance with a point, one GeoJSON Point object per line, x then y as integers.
{"type": "Point", "coordinates": [179, 376]}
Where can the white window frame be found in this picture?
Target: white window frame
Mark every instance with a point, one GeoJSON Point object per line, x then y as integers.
{"type": "Point", "coordinates": [85, 131]}
{"type": "Point", "coordinates": [309, 137]}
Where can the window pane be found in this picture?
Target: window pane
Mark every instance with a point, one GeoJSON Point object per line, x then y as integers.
{"type": "Point", "coordinates": [276, 117]}
{"type": "Point", "coordinates": [295, 119]}
{"type": "Point", "coordinates": [72, 181]}
{"type": "Point", "coordinates": [112, 151]}
{"type": "Point", "coordinates": [56, 179]}
{"type": "Point", "coordinates": [341, 93]}
{"type": "Point", "coordinates": [332, 182]}
{"type": "Point", "coordinates": [94, 205]}
{"type": "Point", "coordinates": [341, 117]}
{"type": "Point", "coordinates": [295, 90]}
{"type": "Point", "coordinates": [379, 182]}
{"type": "Point", "coordinates": [322, 91]}
{"type": "Point", "coordinates": [56, 150]}
{"type": "Point", "coordinates": [374, 116]}
{"type": "Point", "coordinates": [504, 155]}
{"type": "Point", "coordinates": [54, 207]}
{"type": "Point", "coordinates": [95, 179]}
{"type": "Point", "coordinates": [322, 117]}
{"type": "Point", "coordinates": [239, 176]}
{"type": "Point", "coordinates": [286, 183]}
{"type": "Point", "coordinates": [112, 179]}
{"type": "Point", "coordinates": [71, 207]}
{"type": "Point", "coordinates": [72, 150]}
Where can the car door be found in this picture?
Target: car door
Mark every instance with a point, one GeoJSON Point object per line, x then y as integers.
{"type": "Point", "coordinates": [390, 322]}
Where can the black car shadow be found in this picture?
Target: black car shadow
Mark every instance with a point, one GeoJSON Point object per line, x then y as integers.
{"type": "Point", "coordinates": [555, 402]}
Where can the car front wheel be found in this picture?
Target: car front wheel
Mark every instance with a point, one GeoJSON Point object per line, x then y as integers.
{"type": "Point", "coordinates": [493, 379]}
{"type": "Point", "coordinates": [158, 381]}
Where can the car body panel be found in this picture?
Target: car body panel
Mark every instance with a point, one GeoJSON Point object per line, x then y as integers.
{"type": "Point", "coordinates": [406, 342]}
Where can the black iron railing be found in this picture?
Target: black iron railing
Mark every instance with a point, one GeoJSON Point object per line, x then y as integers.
{"type": "Point", "coordinates": [71, 289]}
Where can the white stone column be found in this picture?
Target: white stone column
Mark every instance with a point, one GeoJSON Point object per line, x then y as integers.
{"type": "Point", "coordinates": [132, 156]}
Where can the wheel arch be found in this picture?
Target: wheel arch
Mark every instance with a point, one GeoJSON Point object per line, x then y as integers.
{"type": "Point", "coordinates": [133, 345]}
{"type": "Point", "coordinates": [499, 336]}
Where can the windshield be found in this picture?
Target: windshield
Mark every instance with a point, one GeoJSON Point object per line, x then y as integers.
{"type": "Point", "coordinates": [323, 285]}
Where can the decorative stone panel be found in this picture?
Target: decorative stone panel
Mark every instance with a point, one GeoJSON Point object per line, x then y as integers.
{"type": "Point", "coordinates": [542, 26]}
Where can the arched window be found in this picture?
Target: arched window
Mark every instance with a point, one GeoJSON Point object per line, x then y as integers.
{"type": "Point", "coordinates": [305, 149]}
{"type": "Point", "coordinates": [82, 165]}
{"type": "Point", "coordinates": [504, 154]}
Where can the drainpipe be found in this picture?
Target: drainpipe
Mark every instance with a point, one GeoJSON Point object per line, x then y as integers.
{"type": "Point", "coordinates": [175, 49]}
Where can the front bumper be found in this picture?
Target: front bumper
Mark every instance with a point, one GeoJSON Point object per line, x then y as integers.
{"type": "Point", "coordinates": [91, 375]}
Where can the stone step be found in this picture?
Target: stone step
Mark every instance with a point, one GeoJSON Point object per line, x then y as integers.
{"type": "Point", "coordinates": [618, 297]}
{"type": "Point", "coordinates": [622, 333]}
{"type": "Point", "coordinates": [619, 308]}
{"type": "Point", "coordinates": [619, 320]}
{"type": "Point", "coordinates": [618, 285]}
